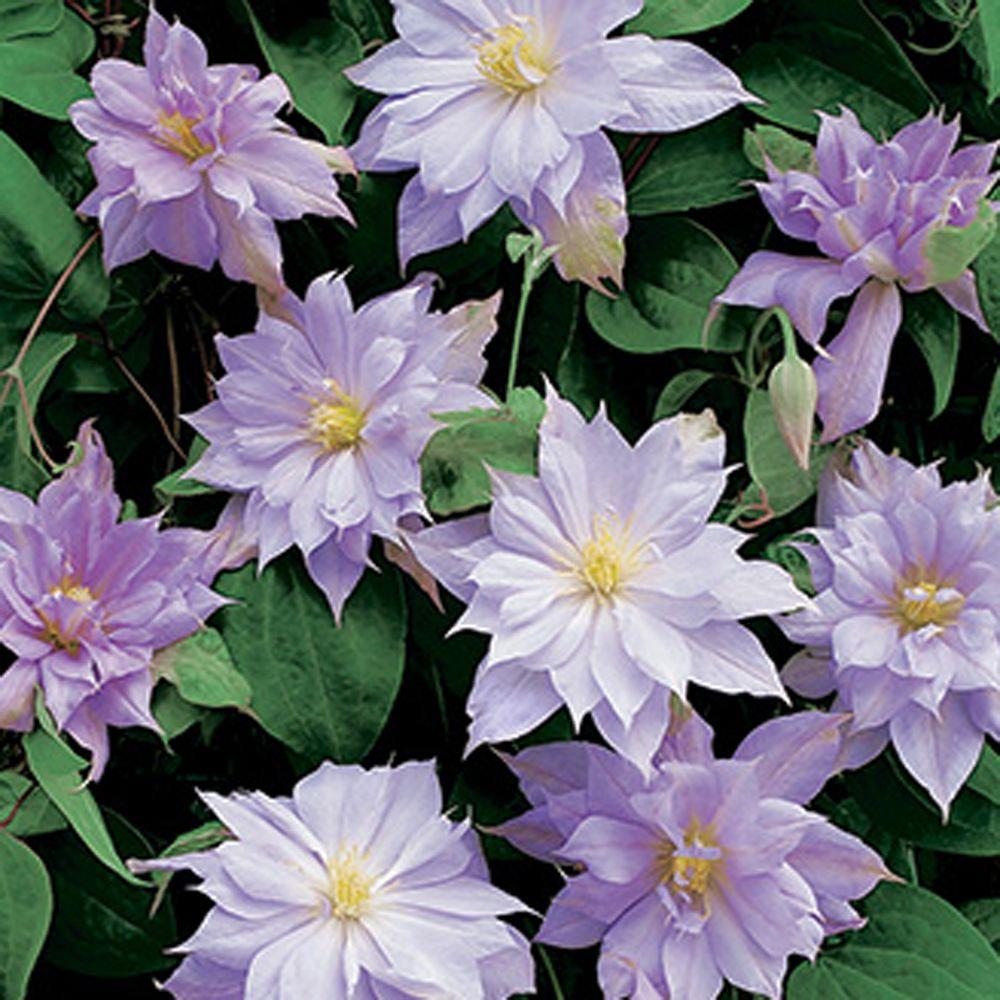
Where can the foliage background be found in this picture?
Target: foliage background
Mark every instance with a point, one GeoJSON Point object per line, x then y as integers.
{"type": "Point", "coordinates": [275, 687]}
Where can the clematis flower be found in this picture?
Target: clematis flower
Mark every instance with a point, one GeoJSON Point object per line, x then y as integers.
{"type": "Point", "coordinates": [354, 888]}
{"type": "Point", "coordinates": [85, 601]}
{"type": "Point", "coordinates": [906, 625]}
{"type": "Point", "coordinates": [320, 428]}
{"type": "Point", "coordinates": [602, 585]}
{"type": "Point", "coordinates": [705, 870]}
{"type": "Point", "coordinates": [191, 161]}
{"type": "Point", "coordinates": [908, 213]}
{"type": "Point", "coordinates": [500, 101]}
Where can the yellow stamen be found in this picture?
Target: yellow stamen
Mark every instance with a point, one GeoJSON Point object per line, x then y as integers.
{"type": "Point", "coordinates": [337, 421]}
{"type": "Point", "coordinates": [511, 59]}
{"type": "Point", "coordinates": [607, 559]}
{"type": "Point", "coordinates": [177, 134]}
{"type": "Point", "coordinates": [53, 634]}
{"type": "Point", "coordinates": [68, 587]}
{"type": "Point", "coordinates": [350, 888]}
{"type": "Point", "coordinates": [686, 869]}
{"type": "Point", "coordinates": [919, 602]}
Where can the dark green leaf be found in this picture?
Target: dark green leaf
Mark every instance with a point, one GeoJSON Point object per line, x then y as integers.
{"type": "Point", "coordinates": [987, 269]}
{"type": "Point", "coordinates": [676, 268]}
{"type": "Point", "coordinates": [203, 672]}
{"type": "Point", "coordinates": [173, 714]}
{"type": "Point", "coordinates": [663, 18]}
{"type": "Point", "coordinates": [984, 915]}
{"type": "Point", "coordinates": [322, 689]}
{"type": "Point", "coordinates": [101, 927]}
{"type": "Point", "coordinates": [58, 770]}
{"type": "Point", "coordinates": [914, 947]}
{"type": "Point", "coordinates": [363, 16]}
{"type": "Point", "coordinates": [694, 169]}
{"type": "Point", "coordinates": [34, 815]}
{"type": "Point", "coordinates": [310, 60]}
{"type": "Point", "coordinates": [25, 912]}
{"type": "Point", "coordinates": [784, 150]}
{"type": "Point", "coordinates": [989, 20]}
{"type": "Point", "coordinates": [679, 390]}
{"type": "Point", "coordinates": [29, 17]}
{"type": "Point", "coordinates": [934, 325]}
{"type": "Point", "coordinates": [454, 462]}
{"type": "Point", "coordinates": [39, 236]}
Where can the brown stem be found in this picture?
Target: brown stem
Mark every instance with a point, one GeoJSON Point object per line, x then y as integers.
{"type": "Point", "coordinates": [32, 429]}
{"type": "Point", "coordinates": [641, 161]}
{"type": "Point", "coordinates": [175, 377]}
{"type": "Point", "coordinates": [16, 808]}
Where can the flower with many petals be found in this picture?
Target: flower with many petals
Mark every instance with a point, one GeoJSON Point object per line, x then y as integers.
{"type": "Point", "coordinates": [354, 888]}
{"type": "Point", "coordinates": [906, 625]}
{"type": "Point", "coordinates": [320, 428]}
{"type": "Point", "coordinates": [602, 584]}
{"type": "Point", "coordinates": [191, 161]}
{"type": "Point", "coordinates": [907, 213]}
{"type": "Point", "coordinates": [85, 601]}
{"type": "Point", "coordinates": [500, 101]}
{"type": "Point", "coordinates": [706, 870]}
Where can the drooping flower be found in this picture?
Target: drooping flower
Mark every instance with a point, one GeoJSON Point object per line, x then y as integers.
{"type": "Point", "coordinates": [706, 870]}
{"type": "Point", "coordinates": [602, 584]}
{"type": "Point", "coordinates": [192, 162]}
{"type": "Point", "coordinates": [905, 627]}
{"type": "Point", "coordinates": [500, 101]}
{"type": "Point", "coordinates": [85, 601]}
{"type": "Point", "coordinates": [354, 888]}
{"type": "Point", "coordinates": [907, 213]}
{"type": "Point", "coordinates": [321, 427]}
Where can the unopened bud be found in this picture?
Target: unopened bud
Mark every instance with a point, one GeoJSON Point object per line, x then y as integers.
{"type": "Point", "coordinates": [793, 399]}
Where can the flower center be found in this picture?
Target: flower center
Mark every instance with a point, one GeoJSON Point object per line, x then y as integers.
{"type": "Point", "coordinates": [690, 870]}
{"type": "Point", "coordinates": [56, 636]}
{"type": "Point", "coordinates": [336, 421]}
{"type": "Point", "coordinates": [922, 602]}
{"type": "Point", "coordinates": [511, 59]}
{"type": "Point", "coordinates": [68, 587]}
{"type": "Point", "coordinates": [607, 560]}
{"type": "Point", "coordinates": [177, 134]}
{"type": "Point", "coordinates": [350, 888]}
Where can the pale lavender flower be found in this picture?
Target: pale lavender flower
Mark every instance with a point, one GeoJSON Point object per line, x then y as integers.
{"type": "Point", "coordinates": [602, 584]}
{"type": "Point", "coordinates": [706, 870]}
{"type": "Point", "coordinates": [191, 161]}
{"type": "Point", "coordinates": [354, 888]}
{"type": "Point", "coordinates": [321, 427]}
{"type": "Point", "coordinates": [85, 601]}
{"type": "Point", "coordinates": [500, 101]}
{"type": "Point", "coordinates": [875, 211]}
{"type": "Point", "coordinates": [906, 623]}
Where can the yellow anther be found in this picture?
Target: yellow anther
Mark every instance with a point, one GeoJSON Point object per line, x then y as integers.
{"type": "Point", "coordinates": [68, 587]}
{"type": "Point", "coordinates": [177, 134]}
{"type": "Point", "coordinates": [925, 602]}
{"type": "Point", "coordinates": [607, 559]}
{"type": "Point", "coordinates": [511, 59]}
{"type": "Point", "coordinates": [350, 887]}
{"type": "Point", "coordinates": [690, 869]}
{"type": "Point", "coordinates": [53, 634]}
{"type": "Point", "coordinates": [337, 421]}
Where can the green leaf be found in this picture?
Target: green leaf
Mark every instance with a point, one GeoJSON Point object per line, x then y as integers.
{"type": "Point", "coordinates": [310, 59]}
{"type": "Point", "coordinates": [202, 670]}
{"type": "Point", "coordinates": [101, 927]}
{"type": "Point", "coordinates": [934, 325]}
{"type": "Point", "coordinates": [989, 20]}
{"type": "Point", "coordinates": [828, 53]}
{"type": "Point", "coordinates": [25, 912]}
{"type": "Point", "coordinates": [914, 947]}
{"type": "Point", "coordinates": [323, 690]}
{"type": "Point", "coordinates": [675, 270]}
{"type": "Point", "coordinates": [177, 484]}
{"type": "Point", "coordinates": [173, 714]}
{"type": "Point", "coordinates": [453, 464]}
{"type": "Point", "coordinates": [39, 50]}
{"type": "Point", "coordinates": [984, 915]}
{"type": "Point", "coordinates": [951, 249]}
{"type": "Point", "coordinates": [58, 770]}
{"type": "Point", "coordinates": [663, 18]}
{"type": "Point", "coordinates": [898, 805]}
{"type": "Point", "coordinates": [987, 269]}
{"type": "Point", "coordinates": [770, 462]}
{"type": "Point", "coordinates": [679, 390]}
{"type": "Point", "coordinates": [38, 367]}
{"type": "Point", "coordinates": [35, 815]}
{"type": "Point", "coordinates": [693, 169]}
{"type": "Point", "coordinates": [39, 236]}
{"type": "Point", "coordinates": [784, 150]}
{"type": "Point", "coordinates": [363, 16]}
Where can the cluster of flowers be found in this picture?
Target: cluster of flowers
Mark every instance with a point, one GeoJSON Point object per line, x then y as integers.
{"type": "Point", "coordinates": [602, 582]}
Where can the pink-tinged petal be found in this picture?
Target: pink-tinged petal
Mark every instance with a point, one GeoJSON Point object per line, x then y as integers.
{"type": "Point", "coordinates": [939, 752]}
{"type": "Point", "coordinates": [671, 85]}
{"type": "Point", "coordinates": [961, 295]}
{"type": "Point", "coordinates": [508, 701]}
{"type": "Point", "coordinates": [794, 754]}
{"type": "Point", "coordinates": [17, 695]}
{"type": "Point", "coordinates": [452, 550]}
{"type": "Point", "coordinates": [804, 287]}
{"type": "Point", "coordinates": [852, 377]}
{"type": "Point", "coordinates": [471, 325]}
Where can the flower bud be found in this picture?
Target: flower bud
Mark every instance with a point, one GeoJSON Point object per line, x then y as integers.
{"type": "Point", "coordinates": [793, 399]}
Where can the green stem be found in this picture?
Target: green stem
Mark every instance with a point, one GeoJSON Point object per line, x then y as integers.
{"type": "Point", "coordinates": [547, 962]}
{"type": "Point", "coordinates": [522, 311]}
